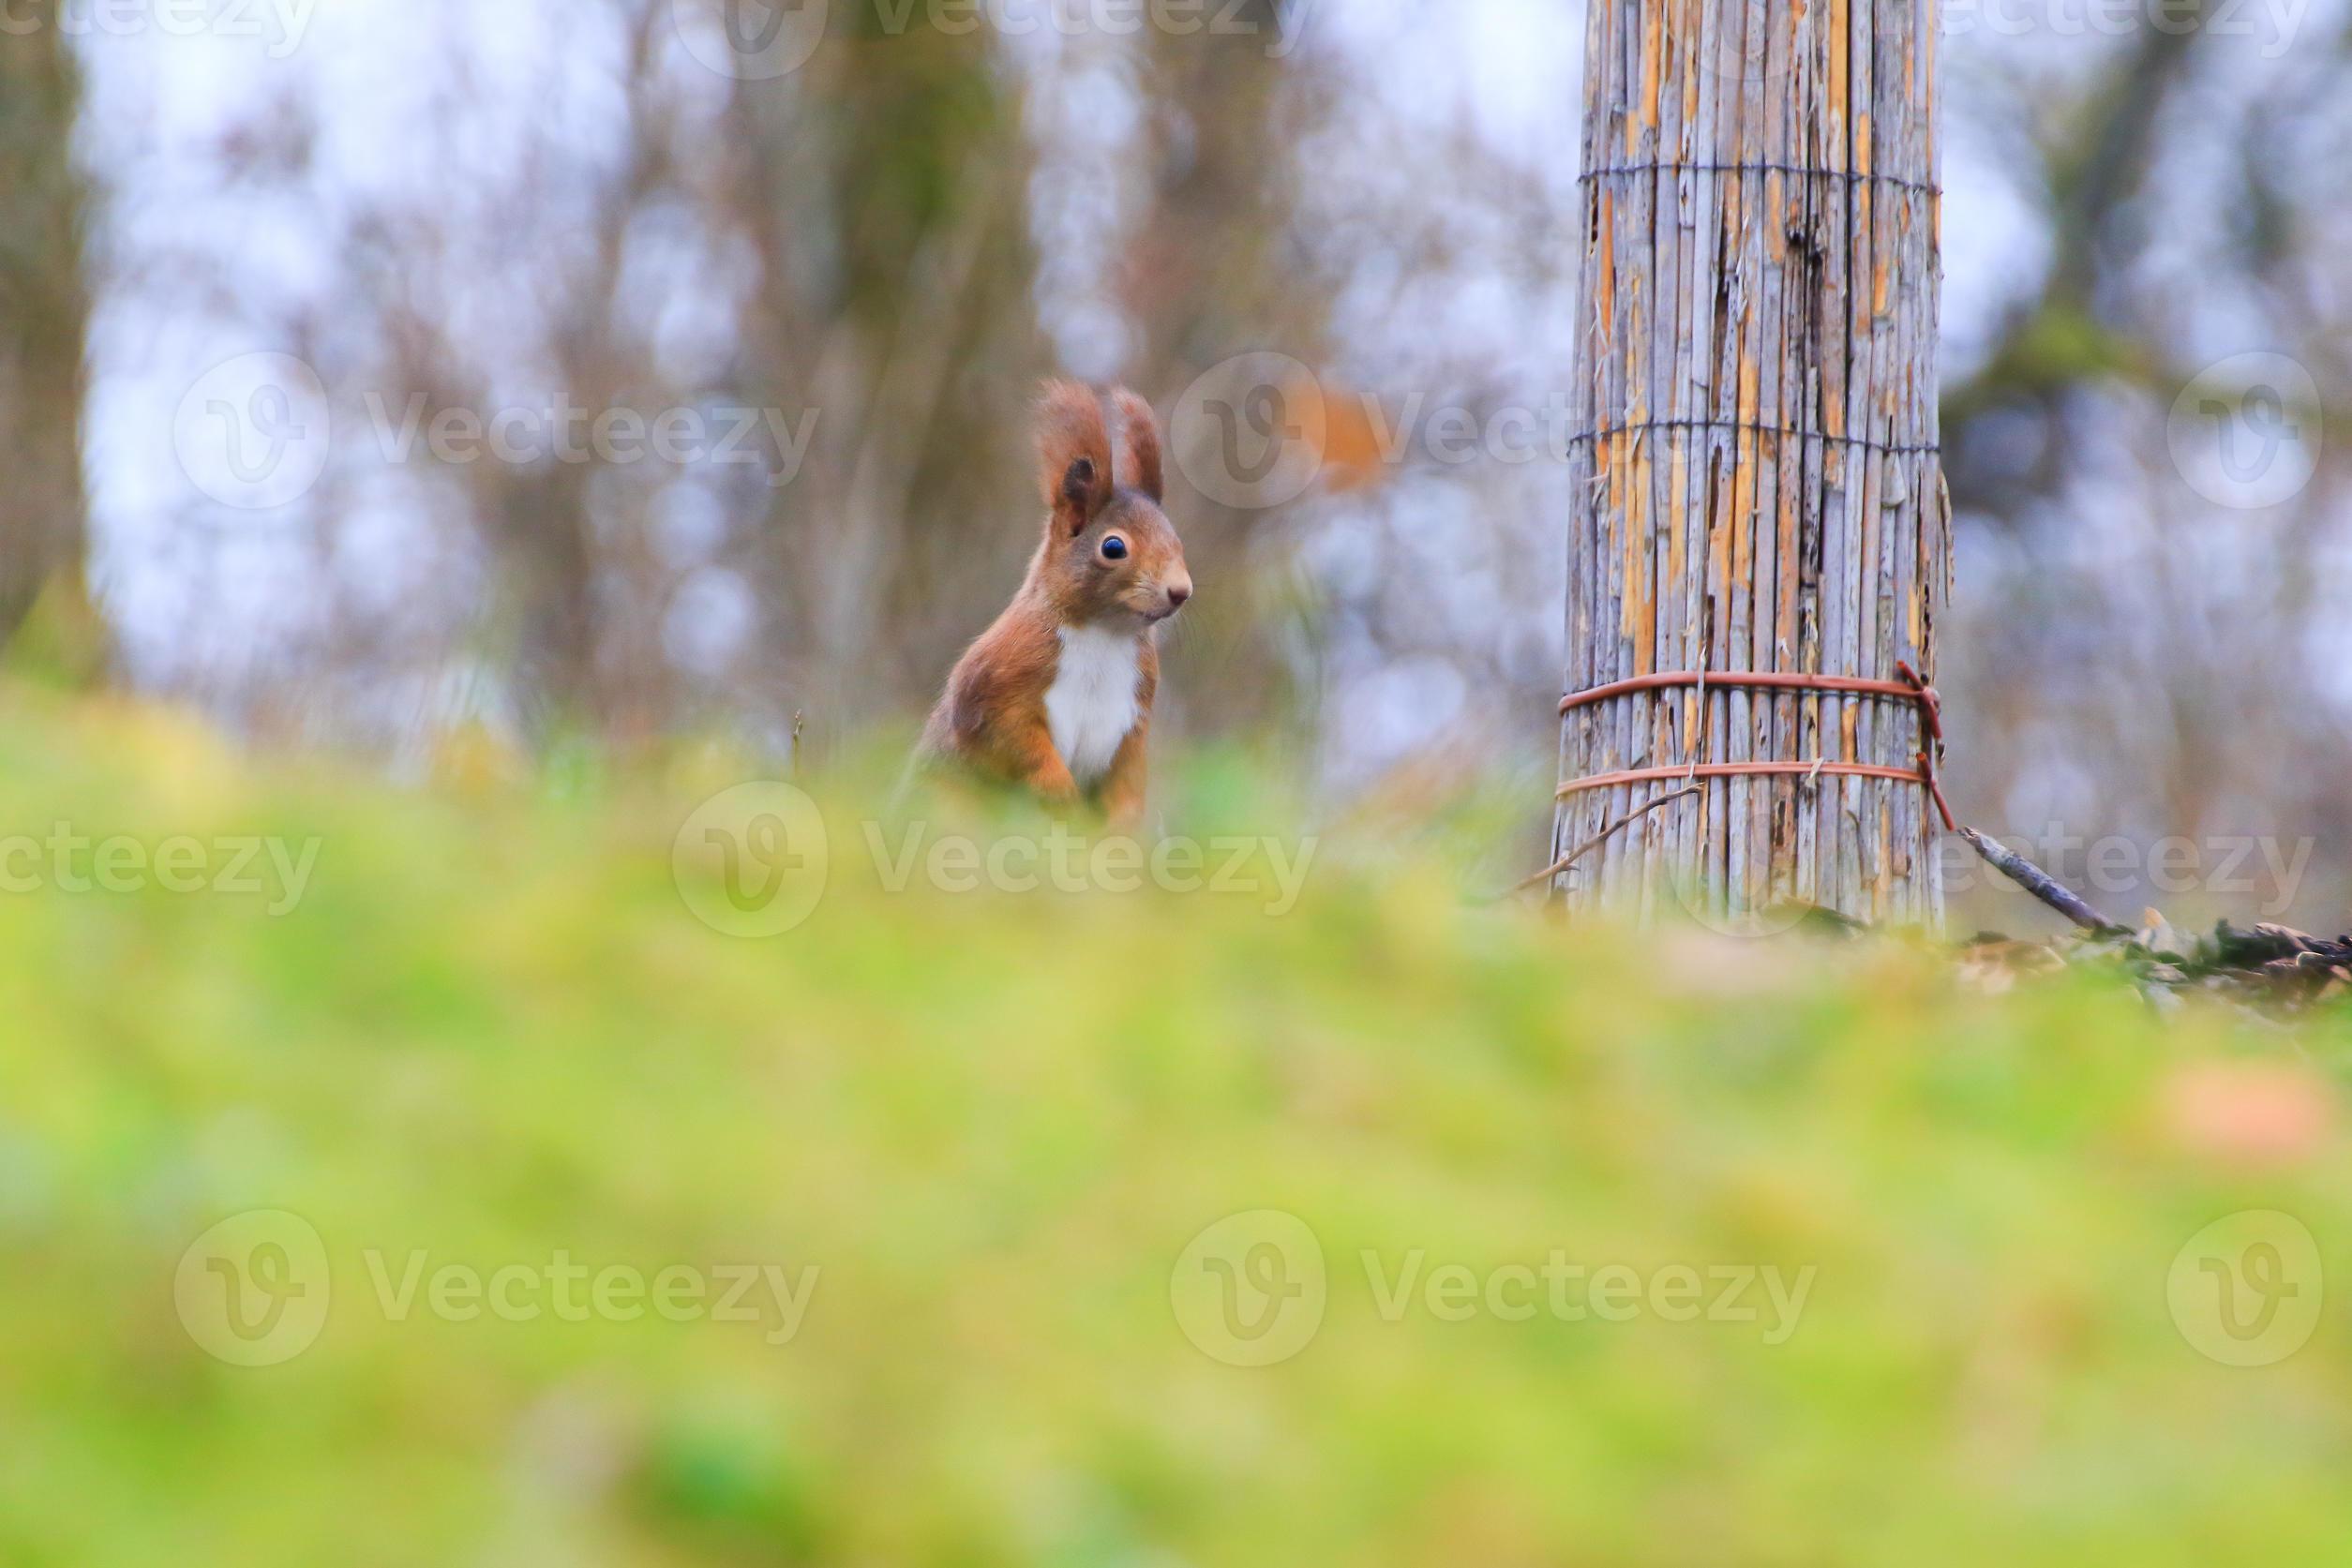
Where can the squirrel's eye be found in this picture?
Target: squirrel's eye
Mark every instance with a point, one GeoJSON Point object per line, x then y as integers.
{"type": "Point", "coordinates": [1114, 549]}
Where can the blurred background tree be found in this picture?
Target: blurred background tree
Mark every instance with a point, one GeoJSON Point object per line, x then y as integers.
{"type": "Point", "coordinates": [1211, 268]}
{"type": "Point", "coordinates": [43, 310]}
{"type": "Point", "coordinates": [883, 197]}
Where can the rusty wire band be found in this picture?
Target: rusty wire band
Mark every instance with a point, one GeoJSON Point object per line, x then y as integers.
{"type": "Point", "coordinates": [1741, 770]}
{"type": "Point", "coordinates": [1785, 680]}
{"type": "Point", "coordinates": [1910, 689]}
{"type": "Point", "coordinates": [1747, 426]}
{"type": "Point", "coordinates": [1925, 187]}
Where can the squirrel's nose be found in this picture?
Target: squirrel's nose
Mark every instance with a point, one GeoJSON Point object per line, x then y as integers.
{"type": "Point", "coordinates": [1177, 594]}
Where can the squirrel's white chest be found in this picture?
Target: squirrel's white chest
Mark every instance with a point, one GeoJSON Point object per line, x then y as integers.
{"type": "Point", "coordinates": [1092, 703]}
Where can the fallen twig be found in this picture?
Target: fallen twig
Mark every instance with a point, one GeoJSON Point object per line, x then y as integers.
{"type": "Point", "coordinates": [2034, 880]}
{"type": "Point", "coordinates": [1573, 855]}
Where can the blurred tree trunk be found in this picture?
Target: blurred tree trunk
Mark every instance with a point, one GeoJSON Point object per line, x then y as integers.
{"type": "Point", "coordinates": [1204, 275]}
{"type": "Point", "coordinates": [581, 607]}
{"type": "Point", "coordinates": [43, 309]}
{"type": "Point", "coordinates": [1213, 271]}
{"type": "Point", "coordinates": [884, 190]}
{"type": "Point", "coordinates": [1760, 257]}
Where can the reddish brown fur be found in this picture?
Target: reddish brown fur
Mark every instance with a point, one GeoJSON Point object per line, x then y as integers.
{"type": "Point", "coordinates": [1139, 443]}
{"type": "Point", "coordinates": [993, 719]}
{"type": "Point", "coordinates": [1070, 432]}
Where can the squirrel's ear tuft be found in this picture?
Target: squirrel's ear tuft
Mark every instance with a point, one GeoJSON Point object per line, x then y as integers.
{"type": "Point", "coordinates": [1073, 451]}
{"type": "Point", "coordinates": [1139, 443]}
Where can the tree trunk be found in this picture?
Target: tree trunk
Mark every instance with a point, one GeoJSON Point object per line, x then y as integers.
{"type": "Point", "coordinates": [1214, 269]}
{"type": "Point", "coordinates": [885, 196]}
{"type": "Point", "coordinates": [1756, 481]}
{"type": "Point", "coordinates": [42, 310]}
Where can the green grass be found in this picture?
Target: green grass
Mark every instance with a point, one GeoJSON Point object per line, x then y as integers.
{"type": "Point", "coordinates": [491, 1030]}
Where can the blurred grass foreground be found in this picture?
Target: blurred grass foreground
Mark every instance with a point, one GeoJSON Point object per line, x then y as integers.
{"type": "Point", "coordinates": [484, 1199]}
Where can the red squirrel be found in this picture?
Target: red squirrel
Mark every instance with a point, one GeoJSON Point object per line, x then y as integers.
{"type": "Point", "coordinates": [1055, 697]}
